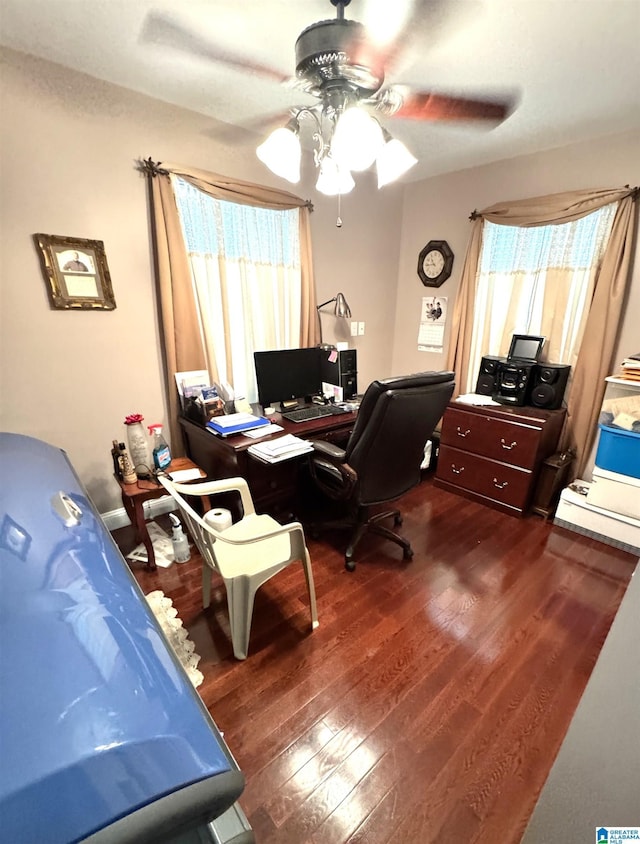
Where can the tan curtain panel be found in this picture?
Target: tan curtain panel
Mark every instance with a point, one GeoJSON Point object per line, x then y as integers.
{"type": "Point", "coordinates": [595, 360]}
{"type": "Point", "coordinates": [184, 336]}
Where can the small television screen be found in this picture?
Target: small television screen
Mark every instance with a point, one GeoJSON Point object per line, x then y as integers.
{"type": "Point", "coordinates": [286, 374]}
{"type": "Point", "coordinates": [525, 347]}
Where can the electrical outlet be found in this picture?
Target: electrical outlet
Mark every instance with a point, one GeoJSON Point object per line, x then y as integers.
{"type": "Point", "coordinates": [354, 329]}
{"type": "Point", "coordinates": [361, 328]}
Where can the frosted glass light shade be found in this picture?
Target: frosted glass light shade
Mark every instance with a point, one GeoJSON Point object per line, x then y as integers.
{"type": "Point", "coordinates": [281, 153]}
{"type": "Point", "coordinates": [357, 140]}
{"type": "Point", "coordinates": [393, 161]}
{"type": "Point", "coordinates": [334, 180]}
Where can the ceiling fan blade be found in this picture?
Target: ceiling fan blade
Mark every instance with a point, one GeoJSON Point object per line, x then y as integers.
{"type": "Point", "coordinates": [394, 28]}
{"type": "Point", "coordinates": [164, 31]}
{"type": "Point", "coordinates": [436, 107]}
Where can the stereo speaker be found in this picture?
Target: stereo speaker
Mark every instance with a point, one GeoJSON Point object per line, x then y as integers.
{"type": "Point", "coordinates": [548, 385]}
{"type": "Point", "coordinates": [487, 382]}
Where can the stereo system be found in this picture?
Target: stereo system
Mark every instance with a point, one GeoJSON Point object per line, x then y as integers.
{"type": "Point", "coordinates": [518, 383]}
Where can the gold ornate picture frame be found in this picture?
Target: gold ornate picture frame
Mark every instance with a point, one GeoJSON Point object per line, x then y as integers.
{"type": "Point", "coordinates": [76, 273]}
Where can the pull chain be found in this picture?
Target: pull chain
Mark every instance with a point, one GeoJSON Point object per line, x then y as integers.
{"type": "Point", "coordinates": [339, 218]}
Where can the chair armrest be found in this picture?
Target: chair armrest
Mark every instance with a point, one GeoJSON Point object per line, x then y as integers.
{"type": "Point", "coordinates": [330, 472]}
{"type": "Point", "coordinates": [213, 488]}
{"type": "Point", "coordinates": [278, 530]}
{"type": "Point", "coordinates": [294, 530]}
{"type": "Point", "coordinates": [331, 450]}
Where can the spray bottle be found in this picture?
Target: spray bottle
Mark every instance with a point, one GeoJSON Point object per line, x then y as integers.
{"type": "Point", "coordinates": [181, 552]}
{"type": "Point", "coordinates": [161, 453]}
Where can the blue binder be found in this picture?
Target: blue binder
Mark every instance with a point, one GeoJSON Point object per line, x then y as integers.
{"type": "Point", "coordinates": [236, 423]}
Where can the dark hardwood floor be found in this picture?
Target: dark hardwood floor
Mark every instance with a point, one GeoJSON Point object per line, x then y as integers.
{"type": "Point", "coordinates": [432, 700]}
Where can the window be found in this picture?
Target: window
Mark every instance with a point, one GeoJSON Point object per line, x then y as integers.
{"type": "Point", "coordinates": [246, 273]}
{"type": "Point", "coordinates": [537, 280]}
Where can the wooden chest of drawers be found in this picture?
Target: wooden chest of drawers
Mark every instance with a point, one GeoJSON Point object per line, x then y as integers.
{"type": "Point", "coordinates": [493, 454]}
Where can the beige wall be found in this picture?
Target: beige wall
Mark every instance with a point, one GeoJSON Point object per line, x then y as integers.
{"type": "Point", "coordinates": [439, 208]}
{"type": "Point", "coordinates": [67, 164]}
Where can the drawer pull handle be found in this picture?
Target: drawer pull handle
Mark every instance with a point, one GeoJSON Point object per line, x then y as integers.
{"type": "Point", "coordinates": [500, 485]}
{"type": "Point", "coordinates": [505, 445]}
{"type": "Point", "coordinates": [462, 433]}
{"type": "Point", "coordinates": [455, 470]}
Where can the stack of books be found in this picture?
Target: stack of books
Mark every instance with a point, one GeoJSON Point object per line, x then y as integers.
{"type": "Point", "coordinates": [630, 368]}
{"type": "Point", "coordinates": [282, 448]}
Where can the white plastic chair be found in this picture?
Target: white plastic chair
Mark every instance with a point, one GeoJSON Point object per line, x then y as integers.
{"type": "Point", "coordinates": [245, 555]}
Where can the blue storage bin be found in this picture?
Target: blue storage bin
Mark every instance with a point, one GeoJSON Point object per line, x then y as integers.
{"type": "Point", "coordinates": [619, 451]}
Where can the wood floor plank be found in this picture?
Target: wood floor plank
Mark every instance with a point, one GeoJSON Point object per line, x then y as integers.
{"type": "Point", "coordinates": [432, 700]}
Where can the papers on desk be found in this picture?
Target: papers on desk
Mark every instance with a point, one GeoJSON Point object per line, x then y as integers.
{"type": "Point", "coordinates": [282, 448]}
{"type": "Point", "coordinates": [236, 423]}
{"type": "Point", "coordinates": [476, 399]}
{"type": "Point", "coordinates": [263, 431]}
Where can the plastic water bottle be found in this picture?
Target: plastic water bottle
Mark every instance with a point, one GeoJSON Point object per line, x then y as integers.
{"type": "Point", "coordinates": [179, 541]}
{"type": "Point", "coordinates": [161, 453]}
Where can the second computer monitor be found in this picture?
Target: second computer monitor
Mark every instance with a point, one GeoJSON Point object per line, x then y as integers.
{"type": "Point", "coordinates": [286, 374]}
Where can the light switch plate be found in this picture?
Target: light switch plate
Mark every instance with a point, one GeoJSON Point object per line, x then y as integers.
{"type": "Point", "coordinates": [361, 328]}
{"type": "Point", "coordinates": [354, 329]}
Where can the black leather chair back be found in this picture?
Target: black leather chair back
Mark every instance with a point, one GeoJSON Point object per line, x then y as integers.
{"type": "Point", "coordinates": [396, 418]}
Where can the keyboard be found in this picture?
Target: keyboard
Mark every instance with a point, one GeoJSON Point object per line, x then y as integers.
{"type": "Point", "coordinates": [313, 412]}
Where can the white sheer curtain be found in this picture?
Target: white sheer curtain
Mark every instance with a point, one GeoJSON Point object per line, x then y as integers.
{"type": "Point", "coordinates": [246, 272]}
{"type": "Point", "coordinates": [537, 280]}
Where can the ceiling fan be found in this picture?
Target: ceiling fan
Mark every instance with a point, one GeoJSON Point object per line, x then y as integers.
{"type": "Point", "coordinates": [340, 65]}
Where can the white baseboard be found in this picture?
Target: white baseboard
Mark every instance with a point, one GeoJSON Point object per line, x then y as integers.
{"type": "Point", "coordinates": [114, 519]}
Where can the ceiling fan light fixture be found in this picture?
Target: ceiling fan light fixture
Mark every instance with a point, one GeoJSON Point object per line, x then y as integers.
{"type": "Point", "coordinates": [333, 179]}
{"type": "Point", "coordinates": [281, 152]}
{"type": "Point", "coordinates": [357, 139]}
{"type": "Point", "coordinates": [393, 161]}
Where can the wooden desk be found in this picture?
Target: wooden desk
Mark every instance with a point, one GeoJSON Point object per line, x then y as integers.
{"type": "Point", "coordinates": [134, 496]}
{"type": "Point", "coordinates": [274, 487]}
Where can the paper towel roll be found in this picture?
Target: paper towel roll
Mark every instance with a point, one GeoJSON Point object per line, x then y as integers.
{"type": "Point", "coordinates": [218, 518]}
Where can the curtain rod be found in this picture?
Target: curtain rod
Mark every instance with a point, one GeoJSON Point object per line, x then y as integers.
{"type": "Point", "coordinates": [634, 192]}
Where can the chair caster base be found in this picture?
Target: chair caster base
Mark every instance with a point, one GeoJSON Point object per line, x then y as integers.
{"type": "Point", "coordinates": [397, 520]}
{"type": "Point", "coordinates": [349, 564]}
{"type": "Point", "coordinates": [407, 554]}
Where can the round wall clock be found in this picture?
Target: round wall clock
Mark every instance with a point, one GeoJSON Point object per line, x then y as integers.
{"type": "Point", "coordinates": [435, 263]}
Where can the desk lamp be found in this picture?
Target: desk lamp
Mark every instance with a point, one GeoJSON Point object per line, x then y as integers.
{"type": "Point", "coordinates": [341, 308]}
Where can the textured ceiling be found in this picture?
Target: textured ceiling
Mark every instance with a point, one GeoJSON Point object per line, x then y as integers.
{"type": "Point", "coordinates": [573, 64]}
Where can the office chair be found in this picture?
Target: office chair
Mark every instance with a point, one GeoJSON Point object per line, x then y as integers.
{"type": "Point", "coordinates": [382, 458]}
{"type": "Point", "coordinates": [245, 555]}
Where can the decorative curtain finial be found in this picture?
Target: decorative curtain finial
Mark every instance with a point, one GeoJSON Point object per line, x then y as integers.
{"type": "Point", "coordinates": [152, 168]}
{"type": "Point", "coordinates": [474, 214]}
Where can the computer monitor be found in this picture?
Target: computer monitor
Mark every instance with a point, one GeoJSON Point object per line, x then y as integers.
{"type": "Point", "coordinates": [525, 347]}
{"type": "Point", "coordinates": [286, 374]}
